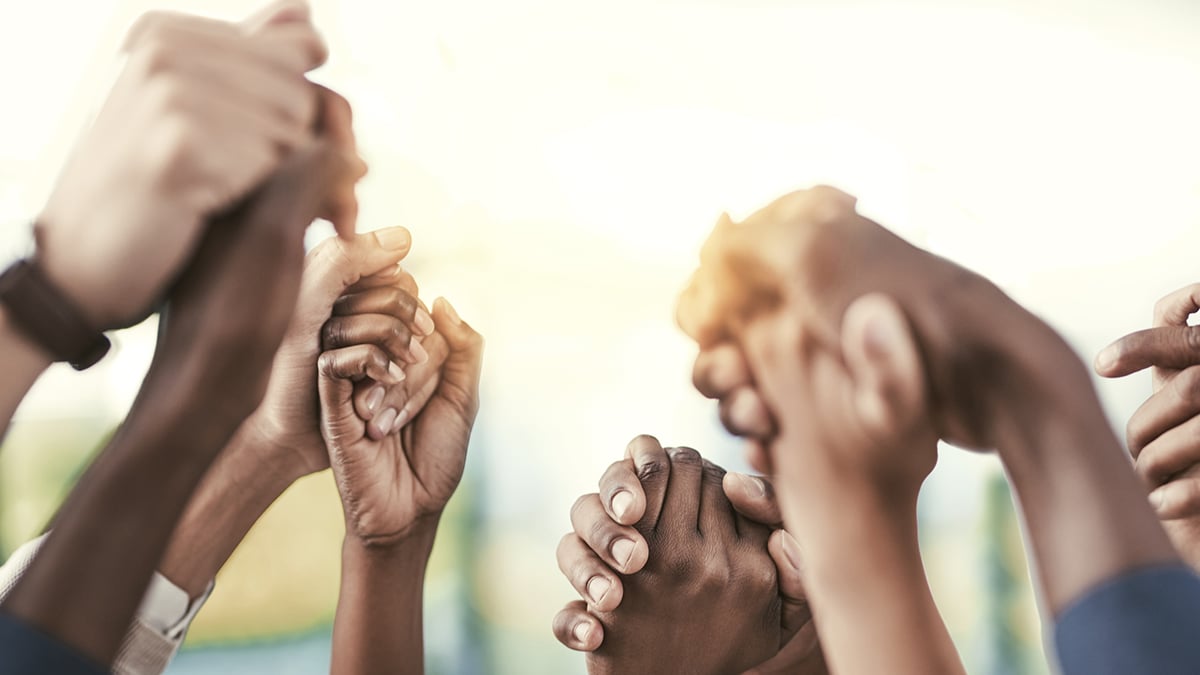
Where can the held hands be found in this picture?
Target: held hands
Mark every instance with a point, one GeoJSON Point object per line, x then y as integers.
{"type": "Point", "coordinates": [706, 598]}
{"type": "Point", "coordinates": [804, 260]}
{"type": "Point", "coordinates": [203, 111]}
{"type": "Point", "coordinates": [604, 546]}
{"type": "Point", "coordinates": [396, 463]}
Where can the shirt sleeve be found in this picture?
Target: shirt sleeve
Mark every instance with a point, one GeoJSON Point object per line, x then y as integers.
{"type": "Point", "coordinates": [1147, 621]}
{"type": "Point", "coordinates": [158, 628]}
{"type": "Point", "coordinates": [25, 650]}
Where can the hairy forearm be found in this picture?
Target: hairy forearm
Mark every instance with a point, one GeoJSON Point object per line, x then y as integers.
{"type": "Point", "coordinates": [1085, 508]}
{"type": "Point", "coordinates": [110, 534]}
{"type": "Point", "coordinates": [864, 576]}
{"type": "Point", "coordinates": [22, 362]}
{"type": "Point", "coordinates": [235, 492]}
{"type": "Point", "coordinates": [378, 628]}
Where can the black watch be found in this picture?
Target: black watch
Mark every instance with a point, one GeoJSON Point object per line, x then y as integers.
{"type": "Point", "coordinates": [48, 317]}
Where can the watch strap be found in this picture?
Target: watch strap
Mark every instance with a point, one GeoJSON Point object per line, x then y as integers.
{"type": "Point", "coordinates": [48, 317]}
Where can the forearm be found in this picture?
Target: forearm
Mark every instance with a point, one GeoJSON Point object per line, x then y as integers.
{"type": "Point", "coordinates": [1085, 508]}
{"type": "Point", "coordinates": [235, 492]}
{"type": "Point", "coordinates": [378, 627]}
{"type": "Point", "coordinates": [864, 577]}
{"type": "Point", "coordinates": [22, 362]}
{"type": "Point", "coordinates": [110, 534]}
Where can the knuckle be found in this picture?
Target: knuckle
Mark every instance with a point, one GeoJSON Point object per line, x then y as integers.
{"type": "Point", "coordinates": [377, 359]}
{"type": "Point", "coordinates": [713, 473]}
{"type": "Point", "coordinates": [652, 470]}
{"type": "Point", "coordinates": [581, 504]}
{"type": "Point", "coordinates": [333, 334]}
{"type": "Point", "coordinates": [685, 455]}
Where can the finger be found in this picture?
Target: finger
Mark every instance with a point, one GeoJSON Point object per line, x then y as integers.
{"type": "Point", "coordinates": [1175, 451]}
{"type": "Point", "coordinates": [387, 332]}
{"type": "Point", "coordinates": [410, 397]}
{"type": "Point", "coordinates": [335, 387]}
{"type": "Point", "coordinates": [758, 457]}
{"type": "Point", "coordinates": [589, 575]}
{"type": "Point", "coordinates": [1164, 347]}
{"type": "Point", "coordinates": [744, 414]}
{"type": "Point", "coordinates": [654, 472]}
{"type": "Point", "coordinates": [716, 514]}
{"type": "Point", "coordinates": [360, 362]}
{"type": "Point", "coordinates": [460, 373]}
{"type": "Point", "coordinates": [368, 399]}
{"type": "Point", "coordinates": [1174, 308]}
{"type": "Point", "coordinates": [1174, 404]}
{"type": "Point", "coordinates": [720, 370]}
{"type": "Point", "coordinates": [1179, 498]}
{"type": "Point", "coordinates": [785, 552]}
{"type": "Point", "coordinates": [156, 24]}
{"type": "Point", "coordinates": [390, 299]}
{"type": "Point", "coordinates": [621, 547]}
{"type": "Point", "coordinates": [754, 498]}
{"type": "Point", "coordinates": [577, 629]}
{"type": "Point", "coordinates": [622, 492]}
{"type": "Point", "coordinates": [336, 264]}
{"type": "Point", "coordinates": [681, 504]}
{"type": "Point", "coordinates": [335, 121]}
{"type": "Point", "coordinates": [882, 358]}
{"type": "Point", "coordinates": [275, 13]}
{"type": "Point", "coordinates": [294, 46]}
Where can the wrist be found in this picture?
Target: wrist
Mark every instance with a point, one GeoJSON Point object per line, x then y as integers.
{"type": "Point", "coordinates": [417, 538]}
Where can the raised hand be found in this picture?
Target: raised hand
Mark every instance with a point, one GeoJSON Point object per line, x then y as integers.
{"type": "Point", "coordinates": [605, 545]}
{"type": "Point", "coordinates": [225, 320]}
{"type": "Point", "coordinates": [393, 482]}
{"type": "Point", "coordinates": [203, 112]}
{"type": "Point", "coordinates": [1162, 434]}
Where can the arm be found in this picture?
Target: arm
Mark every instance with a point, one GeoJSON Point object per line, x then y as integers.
{"type": "Point", "coordinates": [394, 487]}
{"type": "Point", "coordinates": [23, 362]}
{"type": "Point", "coordinates": [214, 355]}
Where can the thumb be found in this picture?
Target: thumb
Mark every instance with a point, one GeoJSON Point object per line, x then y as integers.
{"type": "Point", "coordinates": [884, 363]}
{"type": "Point", "coordinates": [785, 552]}
{"type": "Point", "coordinates": [1165, 347]}
{"type": "Point", "coordinates": [338, 263]}
{"type": "Point", "coordinates": [461, 371]}
{"type": "Point", "coordinates": [753, 497]}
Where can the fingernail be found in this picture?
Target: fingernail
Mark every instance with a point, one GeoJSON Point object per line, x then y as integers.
{"type": "Point", "coordinates": [401, 419]}
{"type": "Point", "coordinates": [1107, 358]}
{"type": "Point", "coordinates": [393, 238]}
{"type": "Point", "coordinates": [597, 586]}
{"type": "Point", "coordinates": [1156, 499]}
{"type": "Point", "coordinates": [880, 334]}
{"type": "Point", "coordinates": [622, 551]}
{"type": "Point", "coordinates": [417, 351]}
{"type": "Point", "coordinates": [424, 322]}
{"type": "Point", "coordinates": [622, 501]}
{"type": "Point", "coordinates": [752, 485]}
{"type": "Point", "coordinates": [450, 313]}
{"type": "Point", "coordinates": [396, 372]}
{"type": "Point", "coordinates": [791, 550]}
{"type": "Point", "coordinates": [582, 631]}
{"type": "Point", "coordinates": [386, 420]}
{"type": "Point", "coordinates": [374, 398]}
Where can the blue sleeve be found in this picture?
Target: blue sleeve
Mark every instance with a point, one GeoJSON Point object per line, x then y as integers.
{"type": "Point", "coordinates": [25, 650]}
{"type": "Point", "coordinates": [1147, 621]}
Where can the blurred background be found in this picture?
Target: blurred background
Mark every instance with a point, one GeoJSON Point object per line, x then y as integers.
{"type": "Point", "coordinates": [560, 162]}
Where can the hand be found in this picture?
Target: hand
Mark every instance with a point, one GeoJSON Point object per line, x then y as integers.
{"type": "Point", "coordinates": [227, 315]}
{"type": "Point", "coordinates": [603, 541]}
{"type": "Point", "coordinates": [1162, 434]}
{"type": "Point", "coordinates": [203, 112]}
{"type": "Point", "coordinates": [390, 485]}
{"type": "Point", "coordinates": [706, 599]}
{"type": "Point", "coordinates": [810, 255]}
{"type": "Point", "coordinates": [288, 422]}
